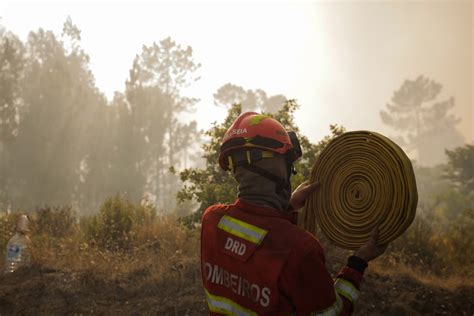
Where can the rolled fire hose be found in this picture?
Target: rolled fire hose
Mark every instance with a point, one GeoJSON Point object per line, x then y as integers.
{"type": "Point", "coordinates": [366, 180]}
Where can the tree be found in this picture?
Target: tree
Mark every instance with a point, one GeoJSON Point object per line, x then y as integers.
{"type": "Point", "coordinates": [250, 100]}
{"type": "Point", "coordinates": [425, 125]}
{"type": "Point", "coordinates": [11, 65]}
{"type": "Point", "coordinates": [460, 169]}
{"type": "Point", "coordinates": [50, 157]}
{"type": "Point", "coordinates": [154, 92]}
{"type": "Point", "coordinates": [454, 208]}
{"type": "Point", "coordinates": [210, 185]}
{"type": "Point", "coordinates": [186, 137]}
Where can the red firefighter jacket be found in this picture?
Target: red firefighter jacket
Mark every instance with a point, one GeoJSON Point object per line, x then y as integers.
{"type": "Point", "coordinates": [256, 261]}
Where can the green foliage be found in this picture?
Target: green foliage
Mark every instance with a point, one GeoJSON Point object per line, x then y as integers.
{"type": "Point", "coordinates": [117, 223]}
{"type": "Point", "coordinates": [430, 183]}
{"type": "Point", "coordinates": [442, 236]}
{"type": "Point", "coordinates": [210, 185]}
{"type": "Point", "coordinates": [310, 151]}
{"type": "Point", "coordinates": [456, 205]}
{"type": "Point", "coordinates": [460, 168]}
{"type": "Point", "coordinates": [414, 246]}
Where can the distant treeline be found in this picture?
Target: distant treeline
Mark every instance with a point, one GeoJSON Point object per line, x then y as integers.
{"type": "Point", "coordinates": [63, 142]}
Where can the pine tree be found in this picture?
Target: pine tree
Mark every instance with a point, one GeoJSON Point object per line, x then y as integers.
{"type": "Point", "coordinates": [425, 125]}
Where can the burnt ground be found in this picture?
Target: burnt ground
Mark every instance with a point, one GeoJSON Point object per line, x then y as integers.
{"type": "Point", "coordinates": [40, 290]}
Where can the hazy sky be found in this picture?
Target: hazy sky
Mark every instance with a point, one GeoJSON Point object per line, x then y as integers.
{"type": "Point", "coordinates": [341, 61]}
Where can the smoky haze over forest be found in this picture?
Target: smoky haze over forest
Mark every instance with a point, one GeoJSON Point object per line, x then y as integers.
{"type": "Point", "coordinates": [90, 108]}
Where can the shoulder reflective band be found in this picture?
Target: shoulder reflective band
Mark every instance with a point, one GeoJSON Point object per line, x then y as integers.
{"type": "Point", "coordinates": [242, 229]}
{"type": "Point", "coordinates": [347, 289]}
{"type": "Point", "coordinates": [223, 305]}
{"type": "Point", "coordinates": [334, 310]}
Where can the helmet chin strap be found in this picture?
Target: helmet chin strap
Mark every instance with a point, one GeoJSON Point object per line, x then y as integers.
{"type": "Point", "coordinates": [281, 183]}
{"type": "Point", "coordinates": [247, 158]}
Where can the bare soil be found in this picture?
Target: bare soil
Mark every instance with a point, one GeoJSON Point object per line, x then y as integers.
{"type": "Point", "coordinates": [40, 290]}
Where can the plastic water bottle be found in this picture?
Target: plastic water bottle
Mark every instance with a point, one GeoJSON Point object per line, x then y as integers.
{"type": "Point", "coordinates": [19, 247]}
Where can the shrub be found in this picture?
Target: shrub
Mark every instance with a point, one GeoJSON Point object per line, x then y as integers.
{"type": "Point", "coordinates": [117, 223]}
{"type": "Point", "coordinates": [57, 222]}
{"type": "Point", "coordinates": [441, 237]}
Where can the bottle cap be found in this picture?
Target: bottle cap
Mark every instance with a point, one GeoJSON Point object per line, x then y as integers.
{"type": "Point", "coordinates": [22, 225]}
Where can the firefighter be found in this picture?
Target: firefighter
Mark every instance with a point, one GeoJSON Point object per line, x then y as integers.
{"type": "Point", "coordinates": [255, 260]}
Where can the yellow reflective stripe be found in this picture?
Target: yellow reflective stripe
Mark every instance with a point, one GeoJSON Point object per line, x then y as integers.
{"type": "Point", "coordinates": [265, 154]}
{"type": "Point", "coordinates": [223, 305]}
{"type": "Point", "coordinates": [249, 144]}
{"type": "Point", "coordinates": [347, 289]}
{"type": "Point", "coordinates": [242, 229]}
{"type": "Point", "coordinates": [334, 310]}
{"type": "Point", "coordinates": [256, 119]}
{"type": "Point", "coordinates": [268, 154]}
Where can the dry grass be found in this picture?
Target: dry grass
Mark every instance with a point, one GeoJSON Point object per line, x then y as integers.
{"type": "Point", "coordinates": [159, 247]}
{"type": "Point", "coordinates": [421, 275]}
{"type": "Point", "coordinates": [155, 275]}
{"type": "Point", "coordinates": [157, 272]}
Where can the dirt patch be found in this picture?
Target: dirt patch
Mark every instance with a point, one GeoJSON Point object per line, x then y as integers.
{"type": "Point", "coordinates": [45, 291]}
{"type": "Point", "coordinates": [404, 295]}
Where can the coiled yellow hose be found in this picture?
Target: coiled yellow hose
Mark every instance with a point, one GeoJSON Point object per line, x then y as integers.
{"type": "Point", "coordinates": [365, 180]}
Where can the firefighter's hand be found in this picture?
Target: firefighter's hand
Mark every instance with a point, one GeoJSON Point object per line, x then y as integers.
{"type": "Point", "coordinates": [371, 250]}
{"type": "Point", "coordinates": [301, 193]}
